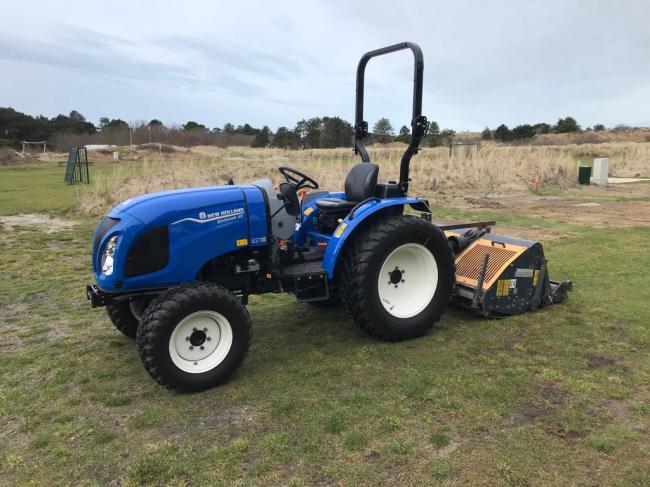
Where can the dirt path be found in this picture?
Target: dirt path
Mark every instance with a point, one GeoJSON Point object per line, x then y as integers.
{"type": "Point", "coordinates": [591, 213]}
{"type": "Point", "coordinates": [615, 206]}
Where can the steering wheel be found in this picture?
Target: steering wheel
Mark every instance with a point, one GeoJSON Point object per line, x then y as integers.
{"type": "Point", "coordinates": [291, 176]}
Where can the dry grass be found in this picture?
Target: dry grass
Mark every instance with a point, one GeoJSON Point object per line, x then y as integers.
{"type": "Point", "coordinates": [490, 168]}
{"type": "Point", "coordinates": [8, 156]}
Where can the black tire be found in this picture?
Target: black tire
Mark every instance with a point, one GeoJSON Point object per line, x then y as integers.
{"type": "Point", "coordinates": [123, 317]}
{"type": "Point", "coordinates": [167, 311]}
{"type": "Point", "coordinates": [359, 273]}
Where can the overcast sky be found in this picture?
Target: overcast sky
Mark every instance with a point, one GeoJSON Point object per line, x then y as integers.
{"type": "Point", "coordinates": [275, 62]}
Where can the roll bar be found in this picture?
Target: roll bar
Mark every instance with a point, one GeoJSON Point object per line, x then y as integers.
{"type": "Point", "coordinates": [419, 123]}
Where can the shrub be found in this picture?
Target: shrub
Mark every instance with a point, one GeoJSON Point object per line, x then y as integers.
{"type": "Point", "coordinates": [565, 125]}
{"type": "Point", "coordinates": [502, 133]}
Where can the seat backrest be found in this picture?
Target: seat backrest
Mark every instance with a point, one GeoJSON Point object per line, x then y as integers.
{"type": "Point", "coordinates": [361, 181]}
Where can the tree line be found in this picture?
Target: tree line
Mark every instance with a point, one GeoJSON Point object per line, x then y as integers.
{"type": "Point", "coordinates": [65, 131]}
{"type": "Point", "coordinates": [16, 126]}
{"type": "Point", "coordinates": [527, 131]}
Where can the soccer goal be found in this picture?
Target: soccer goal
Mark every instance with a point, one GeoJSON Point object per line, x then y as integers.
{"type": "Point", "coordinates": [34, 149]}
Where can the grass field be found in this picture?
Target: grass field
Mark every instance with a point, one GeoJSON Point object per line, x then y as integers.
{"type": "Point", "coordinates": [556, 397]}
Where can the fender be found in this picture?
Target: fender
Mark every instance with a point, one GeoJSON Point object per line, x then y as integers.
{"type": "Point", "coordinates": [346, 228]}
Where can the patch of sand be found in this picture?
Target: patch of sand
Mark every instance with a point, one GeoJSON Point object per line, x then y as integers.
{"type": "Point", "coordinates": [36, 220]}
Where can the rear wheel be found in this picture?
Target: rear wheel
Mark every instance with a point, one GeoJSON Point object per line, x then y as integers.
{"type": "Point", "coordinates": [126, 316]}
{"type": "Point", "coordinates": [194, 336]}
{"type": "Point", "coordinates": [397, 277]}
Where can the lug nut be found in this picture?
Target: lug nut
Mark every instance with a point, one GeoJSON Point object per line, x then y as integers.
{"type": "Point", "coordinates": [201, 347]}
{"type": "Point", "coordinates": [208, 339]}
{"type": "Point", "coordinates": [194, 329]}
{"type": "Point", "coordinates": [205, 328]}
{"type": "Point", "coordinates": [403, 280]}
{"type": "Point", "coordinates": [187, 339]}
{"type": "Point", "coordinates": [191, 347]}
{"type": "Point", "coordinates": [395, 286]}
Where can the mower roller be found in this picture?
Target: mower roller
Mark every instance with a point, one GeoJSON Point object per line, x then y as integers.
{"type": "Point", "coordinates": [175, 269]}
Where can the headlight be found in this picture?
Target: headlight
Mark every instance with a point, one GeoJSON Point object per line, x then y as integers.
{"type": "Point", "coordinates": [107, 256]}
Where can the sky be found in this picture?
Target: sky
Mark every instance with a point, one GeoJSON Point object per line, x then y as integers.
{"type": "Point", "coordinates": [276, 62]}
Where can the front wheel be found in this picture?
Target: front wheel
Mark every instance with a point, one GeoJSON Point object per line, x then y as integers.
{"type": "Point", "coordinates": [397, 277]}
{"type": "Point", "coordinates": [194, 336]}
{"type": "Point", "coordinates": [126, 315]}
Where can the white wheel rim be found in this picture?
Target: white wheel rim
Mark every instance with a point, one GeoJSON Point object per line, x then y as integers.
{"type": "Point", "coordinates": [200, 342]}
{"type": "Point", "coordinates": [407, 280]}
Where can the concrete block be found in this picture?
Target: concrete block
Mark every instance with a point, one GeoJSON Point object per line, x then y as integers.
{"type": "Point", "coordinates": [601, 171]}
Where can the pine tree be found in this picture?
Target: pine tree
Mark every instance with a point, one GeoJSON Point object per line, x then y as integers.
{"type": "Point", "coordinates": [383, 131]}
{"type": "Point", "coordinates": [404, 135]}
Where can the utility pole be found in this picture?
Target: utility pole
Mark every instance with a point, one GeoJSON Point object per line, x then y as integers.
{"type": "Point", "coordinates": [131, 141]}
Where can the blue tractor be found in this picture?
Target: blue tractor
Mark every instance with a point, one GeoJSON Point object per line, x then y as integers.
{"type": "Point", "coordinates": [175, 269]}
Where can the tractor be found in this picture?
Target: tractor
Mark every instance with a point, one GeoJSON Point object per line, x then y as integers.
{"type": "Point", "coordinates": [175, 269]}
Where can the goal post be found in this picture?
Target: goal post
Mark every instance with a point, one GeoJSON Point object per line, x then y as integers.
{"type": "Point", "coordinates": [77, 168]}
{"type": "Point", "coordinates": [34, 148]}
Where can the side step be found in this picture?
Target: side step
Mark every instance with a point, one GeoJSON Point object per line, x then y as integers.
{"type": "Point", "coordinates": [307, 280]}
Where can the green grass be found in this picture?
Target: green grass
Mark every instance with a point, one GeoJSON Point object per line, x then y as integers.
{"type": "Point", "coordinates": [39, 188]}
{"type": "Point", "coordinates": [554, 397]}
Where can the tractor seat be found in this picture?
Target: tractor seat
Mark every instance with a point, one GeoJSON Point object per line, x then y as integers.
{"type": "Point", "coordinates": [360, 184]}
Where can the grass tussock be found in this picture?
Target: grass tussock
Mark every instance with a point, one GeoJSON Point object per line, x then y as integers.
{"type": "Point", "coordinates": [490, 168]}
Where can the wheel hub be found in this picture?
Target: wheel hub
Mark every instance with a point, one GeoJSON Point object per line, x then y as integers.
{"type": "Point", "coordinates": [402, 297]}
{"type": "Point", "coordinates": [200, 341]}
{"type": "Point", "coordinates": [396, 275]}
{"type": "Point", "coordinates": [197, 338]}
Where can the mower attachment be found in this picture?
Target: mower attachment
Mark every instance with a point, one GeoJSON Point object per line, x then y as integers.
{"type": "Point", "coordinates": [500, 276]}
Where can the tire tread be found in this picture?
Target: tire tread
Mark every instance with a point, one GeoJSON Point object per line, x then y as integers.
{"type": "Point", "coordinates": [355, 264]}
{"type": "Point", "coordinates": [121, 316]}
{"type": "Point", "coordinates": [168, 303]}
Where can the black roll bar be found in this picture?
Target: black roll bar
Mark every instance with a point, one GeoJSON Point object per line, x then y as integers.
{"type": "Point", "coordinates": [419, 123]}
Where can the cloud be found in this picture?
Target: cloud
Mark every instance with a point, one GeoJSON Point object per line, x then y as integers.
{"type": "Point", "coordinates": [94, 55]}
{"type": "Point", "coordinates": [485, 62]}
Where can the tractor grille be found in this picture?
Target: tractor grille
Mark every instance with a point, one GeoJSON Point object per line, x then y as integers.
{"type": "Point", "coordinates": [468, 265]}
{"type": "Point", "coordinates": [149, 253]}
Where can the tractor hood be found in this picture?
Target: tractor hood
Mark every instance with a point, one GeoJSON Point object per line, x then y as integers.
{"type": "Point", "coordinates": [180, 203]}
{"type": "Point", "coordinates": [167, 237]}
